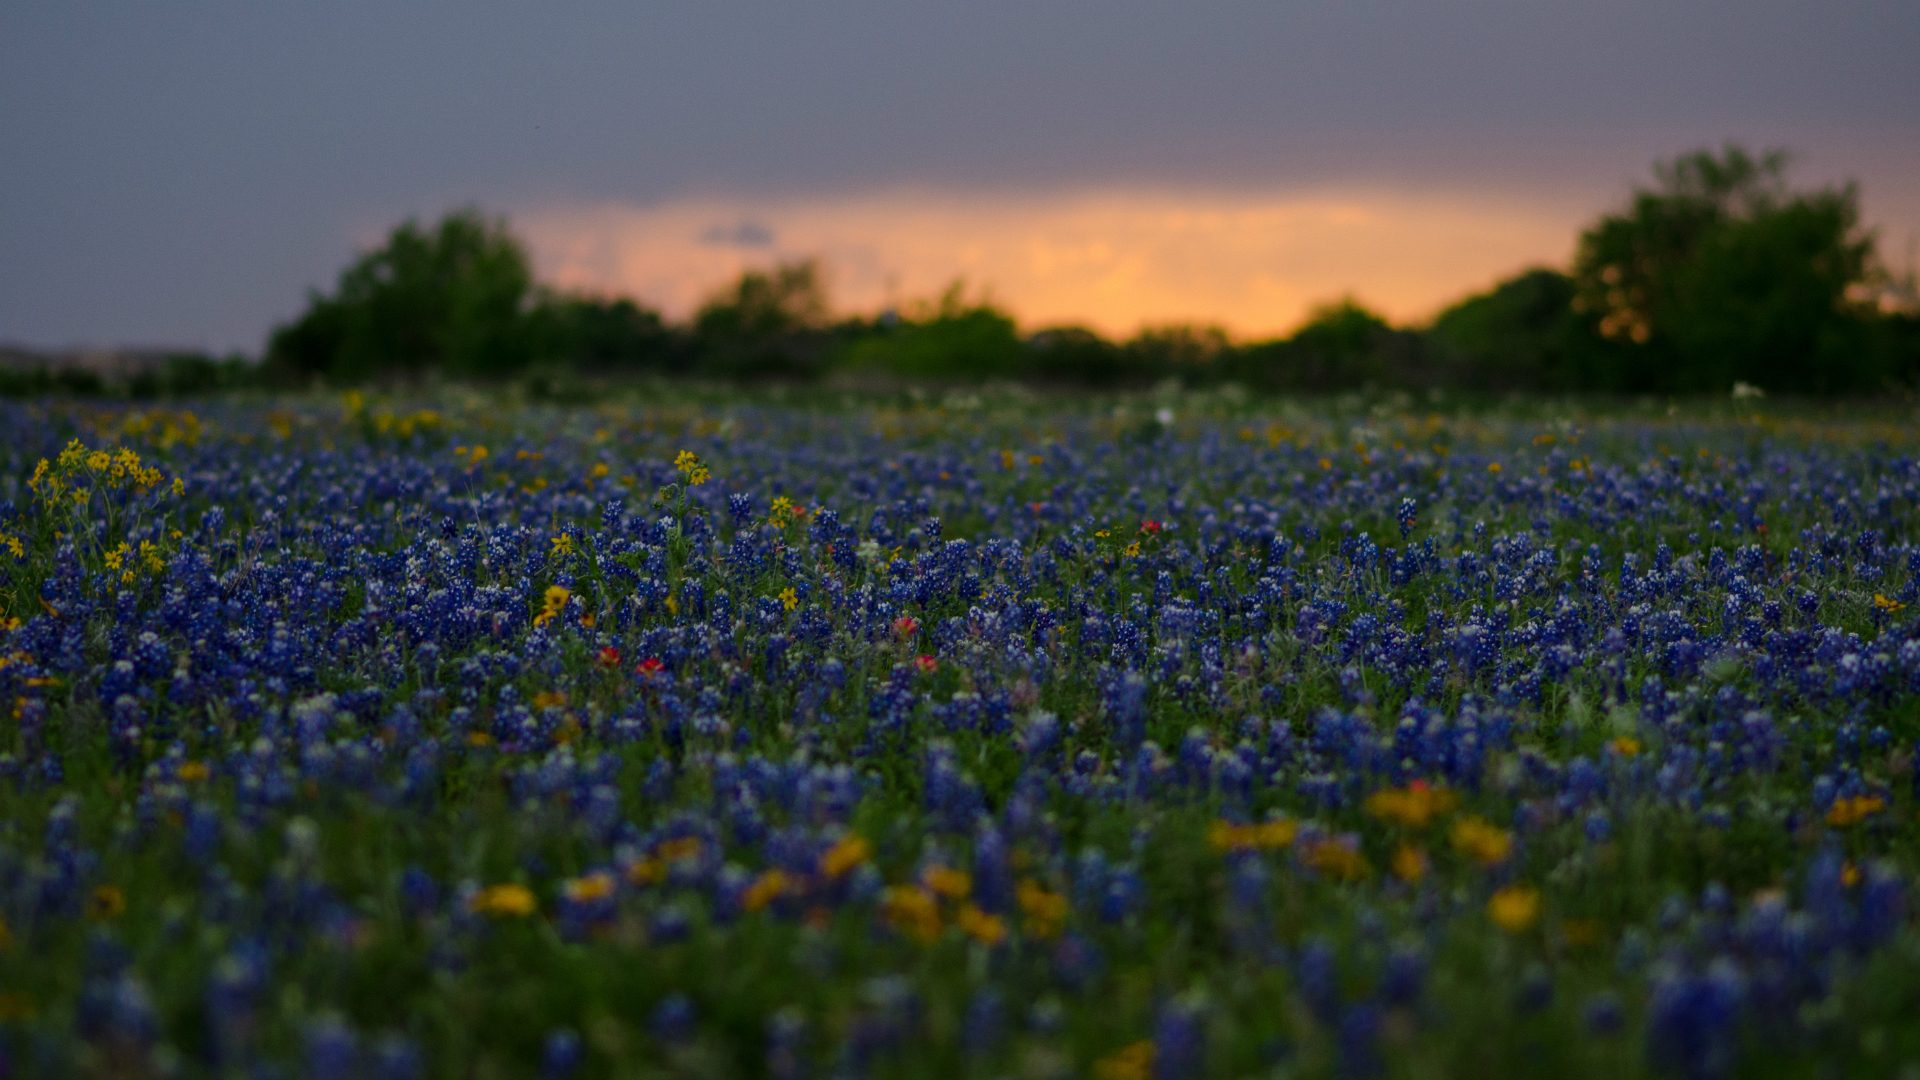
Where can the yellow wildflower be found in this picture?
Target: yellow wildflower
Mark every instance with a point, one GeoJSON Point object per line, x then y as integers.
{"type": "Point", "coordinates": [1853, 810]}
{"type": "Point", "coordinates": [1514, 908]}
{"type": "Point", "coordinates": [504, 901]}
{"type": "Point", "coordinates": [553, 604]}
{"type": "Point", "coordinates": [765, 889]}
{"type": "Point", "coordinates": [1263, 836]}
{"type": "Point", "coordinates": [106, 903]}
{"type": "Point", "coordinates": [678, 848]}
{"type": "Point", "coordinates": [842, 857]}
{"type": "Point", "coordinates": [1409, 863]}
{"type": "Point", "coordinates": [1131, 1062]}
{"type": "Point", "coordinates": [692, 468]}
{"type": "Point", "coordinates": [1484, 842]}
{"type": "Point", "coordinates": [789, 599]}
{"type": "Point", "coordinates": [911, 911]}
{"type": "Point", "coordinates": [980, 926]}
{"type": "Point", "coordinates": [1412, 806]}
{"type": "Point", "coordinates": [948, 882]}
{"type": "Point", "coordinates": [1044, 911]}
{"type": "Point", "coordinates": [589, 888]}
{"type": "Point", "coordinates": [1337, 860]}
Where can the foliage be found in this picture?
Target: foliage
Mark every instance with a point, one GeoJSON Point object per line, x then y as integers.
{"type": "Point", "coordinates": [1523, 334]}
{"type": "Point", "coordinates": [609, 336]}
{"type": "Point", "coordinates": [1342, 345]}
{"type": "Point", "coordinates": [1719, 274]}
{"type": "Point", "coordinates": [769, 322]}
{"type": "Point", "coordinates": [952, 338]}
{"type": "Point", "coordinates": [1722, 273]}
{"type": "Point", "coordinates": [450, 300]}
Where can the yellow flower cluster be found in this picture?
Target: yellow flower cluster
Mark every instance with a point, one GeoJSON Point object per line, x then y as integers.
{"type": "Point", "coordinates": [166, 427]}
{"type": "Point", "coordinates": [692, 469]}
{"type": "Point", "coordinates": [404, 426]}
{"type": "Point", "coordinates": [73, 476]}
{"type": "Point", "coordinates": [914, 910]}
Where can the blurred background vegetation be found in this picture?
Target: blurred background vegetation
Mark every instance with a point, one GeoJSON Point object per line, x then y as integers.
{"type": "Point", "coordinates": [1717, 273]}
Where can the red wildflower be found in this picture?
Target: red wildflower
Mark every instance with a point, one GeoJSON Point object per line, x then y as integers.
{"type": "Point", "coordinates": [905, 626]}
{"type": "Point", "coordinates": [609, 657]}
{"type": "Point", "coordinates": [649, 667]}
{"type": "Point", "coordinates": [926, 662]}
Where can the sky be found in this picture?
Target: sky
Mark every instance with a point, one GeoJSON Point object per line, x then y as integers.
{"type": "Point", "coordinates": [185, 173]}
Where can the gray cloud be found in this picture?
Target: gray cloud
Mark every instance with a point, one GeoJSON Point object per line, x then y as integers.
{"type": "Point", "coordinates": [745, 233]}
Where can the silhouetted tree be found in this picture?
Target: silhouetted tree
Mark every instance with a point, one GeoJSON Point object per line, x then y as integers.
{"type": "Point", "coordinates": [1522, 334]}
{"type": "Point", "coordinates": [1721, 272]}
{"type": "Point", "coordinates": [453, 298]}
{"type": "Point", "coordinates": [768, 322]}
{"type": "Point", "coordinates": [1075, 354]}
{"type": "Point", "coordinates": [608, 336]}
{"type": "Point", "coordinates": [1191, 350]}
{"type": "Point", "coordinates": [951, 337]}
{"type": "Point", "coordinates": [1342, 345]}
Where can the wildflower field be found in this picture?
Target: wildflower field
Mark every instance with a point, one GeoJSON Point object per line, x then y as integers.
{"type": "Point", "coordinates": [1024, 738]}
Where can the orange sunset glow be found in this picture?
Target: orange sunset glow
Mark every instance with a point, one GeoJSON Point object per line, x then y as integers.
{"type": "Point", "coordinates": [1114, 261]}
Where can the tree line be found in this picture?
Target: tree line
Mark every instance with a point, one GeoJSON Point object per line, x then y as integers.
{"type": "Point", "coordinates": [1718, 272]}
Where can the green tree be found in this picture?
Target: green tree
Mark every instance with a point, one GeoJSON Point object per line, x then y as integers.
{"type": "Point", "coordinates": [951, 337]}
{"type": "Point", "coordinates": [1522, 334]}
{"type": "Point", "coordinates": [1077, 354]}
{"type": "Point", "coordinates": [607, 336]}
{"type": "Point", "coordinates": [1343, 345]}
{"type": "Point", "coordinates": [768, 322]}
{"type": "Point", "coordinates": [454, 298]}
{"type": "Point", "coordinates": [1721, 272]}
{"type": "Point", "coordinates": [1191, 350]}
